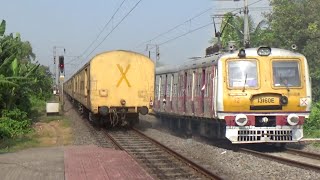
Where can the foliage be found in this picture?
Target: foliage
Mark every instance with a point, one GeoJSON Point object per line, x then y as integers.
{"type": "Point", "coordinates": [312, 125]}
{"type": "Point", "coordinates": [21, 80]}
{"type": "Point", "coordinates": [10, 128]}
{"type": "Point", "coordinates": [297, 22]}
{"type": "Point", "coordinates": [233, 26]}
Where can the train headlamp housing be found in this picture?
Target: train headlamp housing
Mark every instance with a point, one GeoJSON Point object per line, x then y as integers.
{"type": "Point", "coordinates": [241, 119]}
{"type": "Point", "coordinates": [284, 100]}
{"type": "Point", "coordinates": [264, 51]}
{"type": "Point", "coordinates": [293, 119]}
{"type": "Point", "coordinates": [242, 53]}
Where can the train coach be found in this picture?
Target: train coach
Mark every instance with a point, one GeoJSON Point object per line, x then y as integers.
{"type": "Point", "coordinates": [113, 87]}
{"type": "Point", "coordinates": [254, 95]}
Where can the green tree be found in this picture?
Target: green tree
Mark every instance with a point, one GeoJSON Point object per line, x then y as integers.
{"type": "Point", "coordinates": [297, 22]}
{"type": "Point", "coordinates": [233, 27]}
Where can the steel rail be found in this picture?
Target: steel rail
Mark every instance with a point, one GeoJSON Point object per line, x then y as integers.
{"type": "Point", "coordinates": [282, 159]}
{"type": "Point", "coordinates": [303, 153]}
{"type": "Point", "coordinates": [189, 162]}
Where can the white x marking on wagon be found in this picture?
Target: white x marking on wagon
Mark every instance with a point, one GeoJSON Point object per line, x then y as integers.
{"type": "Point", "coordinates": [303, 102]}
{"type": "Point", "coordinates": [123, 75]}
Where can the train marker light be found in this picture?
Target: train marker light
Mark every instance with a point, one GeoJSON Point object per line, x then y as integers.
{"type": "Point", "coordinates": [242, 53]}
{"type": "Point", "coordinates": [264, 51]}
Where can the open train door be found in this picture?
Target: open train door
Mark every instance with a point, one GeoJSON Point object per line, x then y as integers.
{"type": "Point", "coordinates": [203, 86]}
{"type": "Point", "coordinates": [185, 92]}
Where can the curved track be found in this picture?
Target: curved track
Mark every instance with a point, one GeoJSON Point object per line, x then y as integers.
{"type": "Point", "coordinates": [292, 157]}
{"type": "Point", "coordinates": [157, 159]}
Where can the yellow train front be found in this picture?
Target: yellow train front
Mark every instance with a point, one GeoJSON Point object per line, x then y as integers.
{"type": "Point", "coordinates": [254, 95]}
{"type": "Point", "coordinates": [113, 87]}
{"type": "Point", "coordinates": [264, 95]}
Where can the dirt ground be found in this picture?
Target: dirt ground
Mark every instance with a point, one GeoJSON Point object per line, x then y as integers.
{"type": "Point", "coordinates": [54, 133]}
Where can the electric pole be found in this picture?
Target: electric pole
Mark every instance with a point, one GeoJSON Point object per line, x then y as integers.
{"type": "Point", "coordinates": [246, 39]}
{"type": "Point", "coordinates": [157, 51]}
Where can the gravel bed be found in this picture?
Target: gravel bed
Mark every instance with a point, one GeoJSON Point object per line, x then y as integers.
{"type": "Point", "coordinates": [80, 131]}
{"type": "Point", "coordinates": [305, 147]}
{"type": "Point", "coordinates": [227, 163]}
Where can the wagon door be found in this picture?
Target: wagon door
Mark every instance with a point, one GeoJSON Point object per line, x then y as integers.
{"type": "Point", "coordinates": [87, 87]}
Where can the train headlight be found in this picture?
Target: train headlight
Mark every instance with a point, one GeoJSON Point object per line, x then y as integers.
{"type": "Point", "coordinates": [284, 100]}
{"type": "Point", "coordinates": [264, 51]}
{"type": "Point", "coordinates": [293, 119]}
{"type": "Point", "coordinates": [241, 119]}
{"type": "Point", "coordinates": [242, 53]}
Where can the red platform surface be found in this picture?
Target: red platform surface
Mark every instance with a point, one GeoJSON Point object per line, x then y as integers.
{"type": "Point", "coordinates": [92, 162]}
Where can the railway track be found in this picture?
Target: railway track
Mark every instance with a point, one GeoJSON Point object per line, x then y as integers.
{"type": "Point", "coordinates": [160, 161]}
{"type": "Point", "coordinates": [99, 135]}
{"type": "Point", "coordinates": [292, 157]}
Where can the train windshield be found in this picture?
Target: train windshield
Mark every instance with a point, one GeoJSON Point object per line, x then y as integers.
{"type": "Point", "coordinates": [242, 73]}
{"type": "Point", "coordinates": [286, 74]}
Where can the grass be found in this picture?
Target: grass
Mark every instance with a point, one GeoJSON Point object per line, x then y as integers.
{"type": "Point", "coordinates": [46, 131]}
{"type": "Point", "coordinates": [312, 133]}
{"type": "Point", "coordinates": [19, 143]}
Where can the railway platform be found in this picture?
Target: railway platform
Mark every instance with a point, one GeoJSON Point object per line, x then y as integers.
{"type": "Point", "coordinates": [70, 163]}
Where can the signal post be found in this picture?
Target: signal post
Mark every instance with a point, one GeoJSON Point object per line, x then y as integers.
{"type": "Point", "coordinates": [61, 79]}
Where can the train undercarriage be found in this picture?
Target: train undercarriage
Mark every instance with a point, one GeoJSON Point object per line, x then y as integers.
{"type": "Point", "coordinates": [115, 117]}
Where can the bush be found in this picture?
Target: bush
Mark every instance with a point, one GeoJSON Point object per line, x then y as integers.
{"type": "Point", "coordinates": [15, 114]}
{"type": "Point", "coordinates": [14, 123]}
{"type": "Point", "coordinates": [314, 120]}
{"type": "Point", "coordinates": [10, 128]}
{"type": "Point", "coordinates": [312, 125]}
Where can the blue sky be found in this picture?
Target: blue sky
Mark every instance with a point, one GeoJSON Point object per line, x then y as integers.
{"type": "Point", "coordinates": [75, 24]}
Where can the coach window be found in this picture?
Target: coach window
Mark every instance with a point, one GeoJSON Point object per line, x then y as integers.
{"type": "Point", "coordinates": [286, 73]}
{"type": "Point", "coordinates": [242, 73]}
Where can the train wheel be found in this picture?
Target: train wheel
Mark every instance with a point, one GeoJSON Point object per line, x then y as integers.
{"type": "Point", "coordinates": [95, 119]}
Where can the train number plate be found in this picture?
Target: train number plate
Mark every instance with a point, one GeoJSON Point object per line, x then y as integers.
{"type": "Point", "coordinates": [266, 101]}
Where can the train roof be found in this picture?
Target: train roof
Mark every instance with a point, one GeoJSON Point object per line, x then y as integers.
{"type": "Point", "coordinates": [254, 52]}
{"type": "Point", "coordinates": [213, 59]}
{"type": "Point", "coordinates": [105, 52]}
{"type": "Point", "coordinates": [191, 64]}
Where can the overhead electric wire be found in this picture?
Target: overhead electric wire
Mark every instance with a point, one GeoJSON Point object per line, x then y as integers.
{"type": "Point", "coordinates": [110, 32]}
{"type": "Point", "coordinates": [175, 27]}
{"type": "Point", "coordinates": [105, 26]}
{"type": "Point", "coordinates": [114, 28]}
{"type": "Point", "coordinates": [201, 27]}
{"type": "Point", "coordinates": [161, 34]}
{"type": "Point", "coordinates": [191, 31]}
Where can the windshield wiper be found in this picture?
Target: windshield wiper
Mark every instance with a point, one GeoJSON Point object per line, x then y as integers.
{"type": "Point", "coordinates": [245, 82]}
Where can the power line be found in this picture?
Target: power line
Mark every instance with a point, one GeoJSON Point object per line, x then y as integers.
{"type": "Point", "coordinates": [111, 31]}
{"type": "Point", "coordinates": [105, 26]}
{"type": "Point", "coordinates": [191, 31]}
{"type": "Point", "coordinates": [114, 27]}
{"type": "Point", "coordinates": [175, 27]}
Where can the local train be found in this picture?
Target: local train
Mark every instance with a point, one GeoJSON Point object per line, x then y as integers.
{"type": "Point", "coordinates": [253, 95]}
{"type": "Point", "coordinates": [113, 87]}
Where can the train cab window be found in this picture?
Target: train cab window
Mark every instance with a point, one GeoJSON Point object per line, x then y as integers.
{"type": "Point", "coordinates": [242, 73]}
{"type": "Point", "coordinates": [286, 74]}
